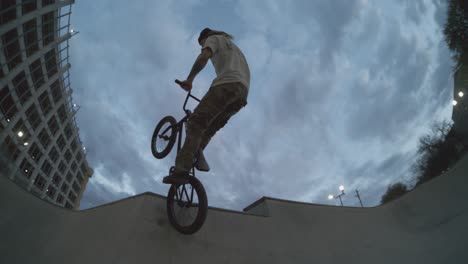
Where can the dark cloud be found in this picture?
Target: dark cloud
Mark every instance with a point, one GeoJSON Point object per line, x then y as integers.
{"type": "Point", "coordinates": [333, 18]}
{"type": "Point", "coordinates": [392, 99]}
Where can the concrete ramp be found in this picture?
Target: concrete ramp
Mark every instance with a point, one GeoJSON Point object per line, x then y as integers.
{"type": "Point", "coordinates": [427, 225]}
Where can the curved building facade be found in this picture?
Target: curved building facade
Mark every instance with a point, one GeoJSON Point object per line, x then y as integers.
{"type": "Point", "coordinates": [38, 133]}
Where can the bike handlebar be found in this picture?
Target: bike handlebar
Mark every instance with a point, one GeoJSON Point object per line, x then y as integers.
{"type": "Point", "coordinates": [189, 94]}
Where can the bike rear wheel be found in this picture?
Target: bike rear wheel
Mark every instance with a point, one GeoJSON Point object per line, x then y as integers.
{"type": "Point", "coordinates": [164, 137]}
{"type": "Point", "coordinates": [187, 206]}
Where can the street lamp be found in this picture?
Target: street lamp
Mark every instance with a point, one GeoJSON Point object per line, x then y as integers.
{"type": "Point", "coordinates": [460, 94]}
{"type": "Point", "coordinates": [73, 32]}
{"type": "Point", "coordinates": [341, 188]}
{"type": "Point", "coordinates": [454, 103]}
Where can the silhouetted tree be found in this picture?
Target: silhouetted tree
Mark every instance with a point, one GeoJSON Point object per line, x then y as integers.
{"type": "Point", "coordinates": [438, 151]}
{"type": "Point", "coordinates": [393, 191]}
{"type": "Point", "coordinates": [456, 30]}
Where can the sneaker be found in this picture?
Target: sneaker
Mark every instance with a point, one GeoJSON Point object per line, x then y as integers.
{"type": "Point", "coordinates": [181, 177]}
{"type": "Point", "coordinates": [201, 163]}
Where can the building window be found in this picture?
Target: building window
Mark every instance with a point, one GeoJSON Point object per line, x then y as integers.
{"type": "Point", "coordinates": [35, 153]}
{"type": "Point", "coordinates": [11, 48]}
{"type": "Point", "coordinates": [62, 167]}
{"type": "Point", "coordinates": [56, 180]}
{"type": "Point", "coordinates": [74, 145]}
{"type": "Point", "coordinates": [40, 182]}
{"type": "Point", "coordinates": [44, 102]}
{"type": "Point", "coordinates": [56, 91]}
{"type": "Point", "coordinates": [21, 132]}
{"type": "Point", "coordinates": [46, 168]}
{"type": "Point", "coordinates": [68, 205]}
{"type": "Point", "coordinates": [7, 11]}
{"type": "Point", "coordinates": [68, 156]}
{"type": "Point", "coordinates": [53, 154]}
{"type": "Point", "coordinates": [76, 187]}
{"type": "Point", "coordinates": [84, 168]}
{"type": "Point", "coordinates": [74, 166]}
{"type": "Point", "coordinates": [53, 125]}
{"type": "Point", "coordinates": [79, 177]}
{"type": "Point", "coordinates": [60, 199]}
{"type": "Point", "coordinates": [61, 143]}
{"type": "Point", "coordinates": [26, 168]}
{"type": "Point", "coordinates": [22, 88]}
{"type": "Point", "coordinates": [62, 113]}
{"type": "Point", "coordinates": [64, 188]}
{"type": "Point", "coordinates": [72, 196]}
{"type": "Point", "coordinates": [51, 63]}
{"type": "Point", "coordinates": [11, 147]}
{"type": "Point", "coordinates": [37, 74]}
{"type": "Point", "coordinates": [30, 37]}
{"type": "Point", "coordinates": [44, 138]}
{"type": "Point", "coordinates": [7, 105]}
{"type": "Point", "coordinates": [33, 116]}
{"type": "Point", "coordinates": [69, 177]}
{"type": "Point", "coordinates": [79, 156]}
{"type": "Point", "coordinates": [48, 28]}
{"type": "Point", "coordinates": [68, 131]}
{"type": "Point", "coordinates": [50, 191]}
{"type": "Point", "coordinates": [47, 2]}
{"type": "Point", "coordinates": [28, 6]}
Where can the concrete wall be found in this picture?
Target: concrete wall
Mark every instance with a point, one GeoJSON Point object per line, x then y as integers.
{"type": "Point", "coordinates": [428, 225]}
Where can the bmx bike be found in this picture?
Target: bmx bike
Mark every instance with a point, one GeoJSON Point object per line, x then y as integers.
{"type": "Point", "coordinates": [187, 204]}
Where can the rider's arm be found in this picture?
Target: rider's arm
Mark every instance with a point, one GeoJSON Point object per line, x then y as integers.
{"type": "Point", "coordinates": [200, 63]}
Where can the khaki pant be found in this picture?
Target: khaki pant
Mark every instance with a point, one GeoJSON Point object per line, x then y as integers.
{"type": "Point", "coordinates": [218, 105]}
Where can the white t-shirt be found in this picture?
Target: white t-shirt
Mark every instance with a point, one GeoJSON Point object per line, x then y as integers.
{"type": "Point", "coordinates": [229, 62]}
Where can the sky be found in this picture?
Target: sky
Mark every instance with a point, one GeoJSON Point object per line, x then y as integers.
{"type": "Point", "coordinates": [340, 93]}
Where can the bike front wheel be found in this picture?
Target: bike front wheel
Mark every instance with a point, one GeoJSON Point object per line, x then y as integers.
{"type": "Point", "coordinates": [187, 206]}
{"type": "Point", "coordinates": [164, 137]}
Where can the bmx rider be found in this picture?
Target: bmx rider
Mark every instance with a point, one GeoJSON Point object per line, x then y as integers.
{"type": "Point", "coordinates": [226, 96]}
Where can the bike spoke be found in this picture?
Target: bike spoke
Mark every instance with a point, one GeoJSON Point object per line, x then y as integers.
{"type": "Point", "coordinates": [185, 204]}
{"type": "Point", "coordinates": [162, 140]}
{"type": "Point", "coordinates": [191, 194]}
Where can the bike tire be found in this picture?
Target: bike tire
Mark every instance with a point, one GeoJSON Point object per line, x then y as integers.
{"type": "Point", "coordinates": [202, 206]}
{"type": "Point", "coordinates": [172, 138]}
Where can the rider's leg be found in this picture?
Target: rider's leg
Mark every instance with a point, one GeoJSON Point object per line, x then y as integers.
{"type": "Point", "coordinates": [221, 120]}
{"type": "Point", "coordinates": [212, 104]}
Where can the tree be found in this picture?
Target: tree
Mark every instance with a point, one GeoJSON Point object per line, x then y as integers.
{"type": "Point", "coordinates": [456, 30]}
{"type": "Point", "coordinates": [437, 152]}
{"type": "Point", "coordinates": [393, 192]}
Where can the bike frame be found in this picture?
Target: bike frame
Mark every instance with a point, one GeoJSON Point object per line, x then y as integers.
{"type": "Point", "coordinates": [180, 125]}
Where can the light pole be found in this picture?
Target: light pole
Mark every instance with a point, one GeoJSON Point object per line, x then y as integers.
{"type": "Point", "coordinates": [359, 197]}
{"type": "Point", "coordinates": [338, 196]}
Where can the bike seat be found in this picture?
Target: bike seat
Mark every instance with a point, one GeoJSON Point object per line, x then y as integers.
{"type": "Point", "coordinates": [201, 163]}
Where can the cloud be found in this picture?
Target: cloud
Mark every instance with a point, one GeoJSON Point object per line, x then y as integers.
{"type": "Point", "coordinates": [340, 93]}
